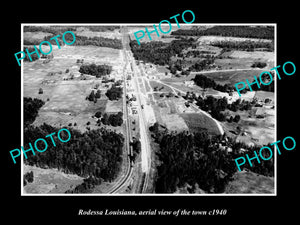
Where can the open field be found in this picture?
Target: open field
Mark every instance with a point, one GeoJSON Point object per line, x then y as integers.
{"type": "Point", "coordinates": [199, 121]}
{"type": "Point", "coordinates": [244, 59]}
{"type": "Point", "coordinates": [50, 181]}
{"type": "Point", "coordinates": [247, 182]}
{"type": "Point", "coordinates": [84, 31]}
{"type": "Point", "coordinates": [64, 98]}
{"type": "Point", "coordinates": [232, 77]}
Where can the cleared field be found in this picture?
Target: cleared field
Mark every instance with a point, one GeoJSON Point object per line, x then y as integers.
{"type": "Point", "coordinates": [163, 38]}
{"type": "Point", "coordinates": [84, 31]}
{"type": "Point", "coordinates": [114, 106]}
{"type": "Point", "coordinates": [250, 183]}
{"type": "Point", "coordinates": [232, 77]}
{"type": "Point", "coordinates": [244, 59]}
{"type": "Point", "coordinates": [174, 122]}
{"type": "Point", "coordinates": [199, 121]}
{"type": "Point", "coordinates": [35, 35]}
{"type": "Point", "coordinates": [65, 100]}
{"type": "Point", "coordinates": [50, 181]}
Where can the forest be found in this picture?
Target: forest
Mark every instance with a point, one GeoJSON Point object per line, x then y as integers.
{"type": "Point", "coordinates": [262, 32]}
{"type": "Point", "coordinates": [31, 108]}
{"type": "Point", "coordinates": [244, 45]}
{"type": "Point", "coordinates": [196, 158]}
{"type": "Point", "coordinates": [95, 70]}
{"type": "Point", "coordinates": [96, 41]}
{"type": "Point", "coordinates": [205, 82]}
{"type": "Point", "coordinates": [96, 153]}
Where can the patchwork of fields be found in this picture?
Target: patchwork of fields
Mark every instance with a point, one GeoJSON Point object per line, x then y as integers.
{"type": "Point", "coordinates": [164, 96]}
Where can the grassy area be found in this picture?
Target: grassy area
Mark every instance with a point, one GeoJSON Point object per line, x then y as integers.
{"type": "Point", "coordinates": [160, 87]}
{"type": "Point", "coordinates": [199, 121]}
{"type": "Point", "coordinates": [250, 183]}
{"type": "Point", "coordinates": [232, 77]}
{"type": "Point", "coordinates": [50, 181]}
{"type": "Point", "coordinates": [65, 101]}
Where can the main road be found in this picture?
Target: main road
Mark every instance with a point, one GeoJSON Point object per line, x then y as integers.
{"type": "Point", "coordinates": [145, 143]}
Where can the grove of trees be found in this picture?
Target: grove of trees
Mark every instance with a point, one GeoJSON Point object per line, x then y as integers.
{"type": "Point", "coordinates": [28, 178]}
{"type": "Point", "coordinates": [198, 160]}
{"type": "Point", "coordinates": [31, 108]}
{"type": "Point", "coordinates": [114, 93]}
{"type": "Point", "coordinates": [244, 45]}
{"type": "Point", "coordinates": [263, 32]}
{"type": "Point", "coordinates": [95, 70]}
{"type": "Point", "coordinates": [112, 119]}
{"type": "Point", "coordinates": [95, 153]}
{"type": "Point", "coordinates": [205, 82]}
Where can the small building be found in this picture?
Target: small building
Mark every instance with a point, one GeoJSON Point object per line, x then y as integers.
{"type": "Point", "coordinates": [188, 83]}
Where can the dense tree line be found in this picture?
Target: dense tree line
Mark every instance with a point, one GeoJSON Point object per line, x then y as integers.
{"type": "Point", "coordinates": [62, 29]}
{"type": "Point", "coordinates": [31, 108]}
{"type": "Point", "coordinates": [95, 70]}
{"type": "Point", "coordinates": [263, 32]}
{"type": "Point", "coordinates": [48, 29]}
{"type": "Point", "coordinates": [96, 41]}
{"type": "Point", "coordinates": [114, 93]}
{"type": "Point", "coordinates": [244, 45]}
{"type": "Point", "coordinates": [94, 153]}
{"type": "Point", "coordinates": [80, 40]}
{"type": "Point", "coordinates": [112, 119]}
{"type": "Point", "coordinates": [103, 28]}
{"type": "Point", "coordinates": [205, 82]}
{"type": "Point", "coordinates": [197, 158]}
{"type": "Point", "coordinates": [28, 178]}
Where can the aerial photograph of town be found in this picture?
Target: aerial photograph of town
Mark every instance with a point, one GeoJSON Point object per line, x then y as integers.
{"type": "Point", "coordinates": [153, 116]}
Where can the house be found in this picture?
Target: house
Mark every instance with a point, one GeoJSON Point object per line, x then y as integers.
{"type": "Point", "coordinates": [188, 83]}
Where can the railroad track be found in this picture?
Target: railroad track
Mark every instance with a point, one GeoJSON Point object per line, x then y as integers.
{"type": "Point", "coordinates": [120, 184]}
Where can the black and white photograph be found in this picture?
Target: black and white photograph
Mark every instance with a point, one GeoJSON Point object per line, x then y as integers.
{"type": "Point", "coordinates": [145, 113]}
{"type": "Point", "coordinates": [160, 116]}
